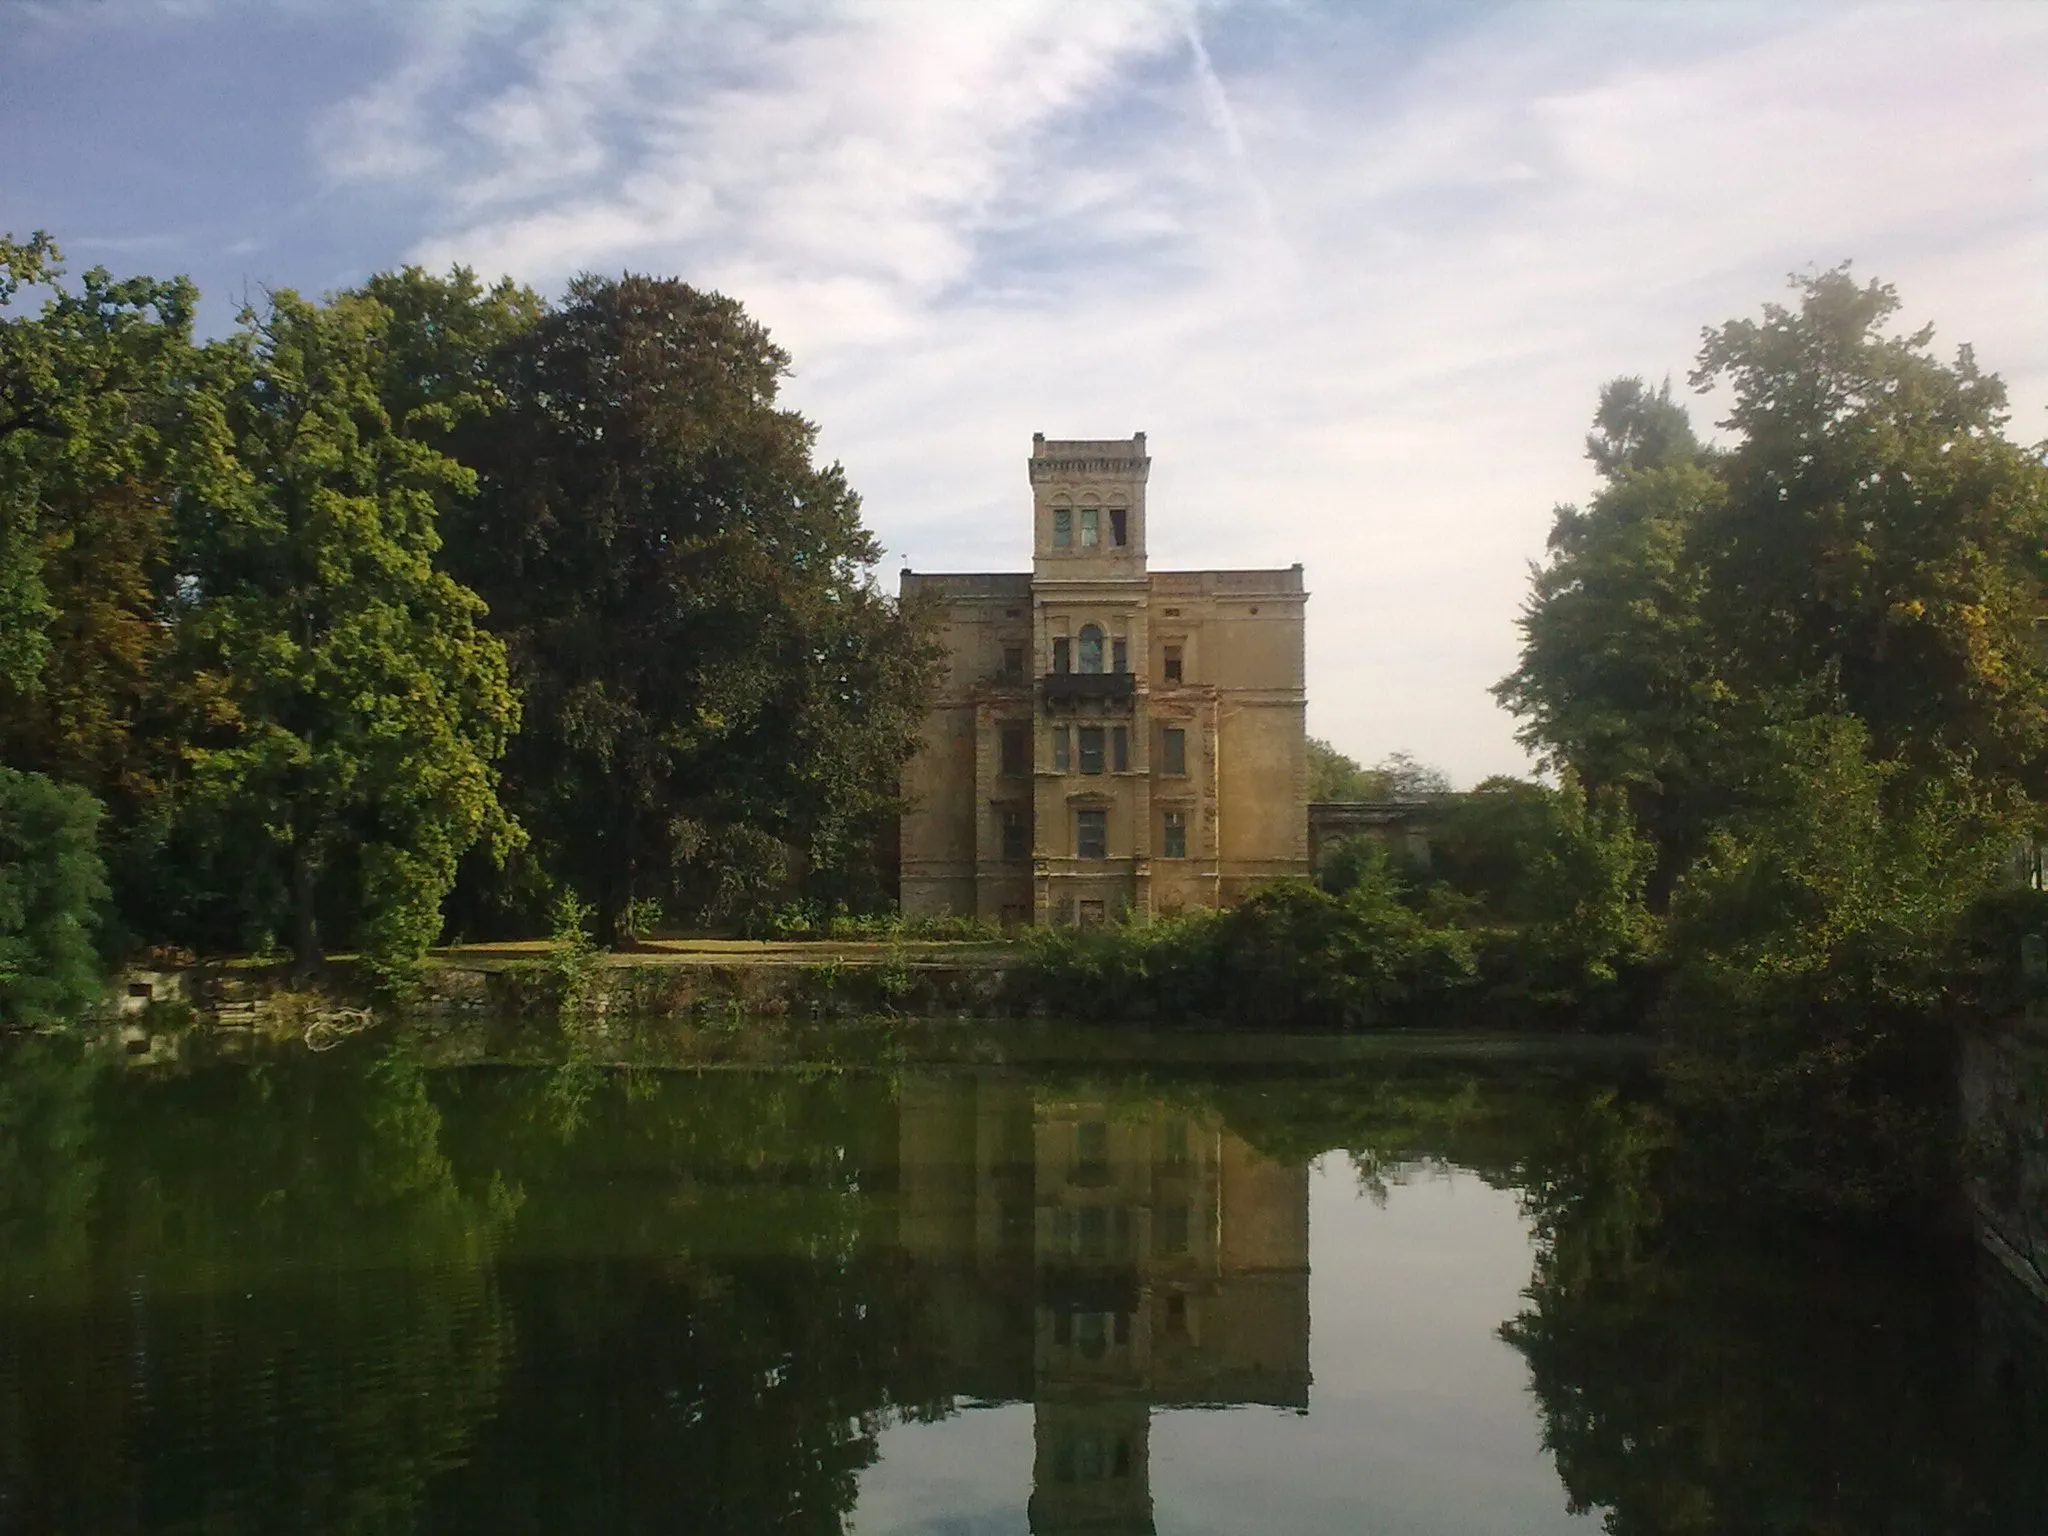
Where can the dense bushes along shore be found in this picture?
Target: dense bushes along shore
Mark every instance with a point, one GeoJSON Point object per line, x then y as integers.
{"type": "Point", "coordinates": [1792, 689]}
{"type": "Point", "coordinates": [433, 605]}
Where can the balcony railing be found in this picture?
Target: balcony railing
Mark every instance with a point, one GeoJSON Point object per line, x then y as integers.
{"type": "Point", "coordinates": [1071, 688]}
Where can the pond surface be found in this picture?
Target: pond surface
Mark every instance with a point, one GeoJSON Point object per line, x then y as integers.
{"type": "Point", "coordinates": [1035, 1284]}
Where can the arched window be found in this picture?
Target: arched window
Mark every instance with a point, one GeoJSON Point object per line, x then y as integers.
{"type": "Point", "coordinates": [1091, 648]}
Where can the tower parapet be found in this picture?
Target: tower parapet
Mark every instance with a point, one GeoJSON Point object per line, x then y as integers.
{"type": "Point", "coordinates": [1088, 499]}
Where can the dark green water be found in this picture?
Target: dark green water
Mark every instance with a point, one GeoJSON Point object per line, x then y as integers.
{"type": "Point", "coordinates": [1047, 1284]}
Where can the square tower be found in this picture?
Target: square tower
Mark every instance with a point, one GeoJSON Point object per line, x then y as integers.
{"type": "Point", "coordinates": [1088, 507]}
{"type": "Point", "coordinates": [1108, 741]}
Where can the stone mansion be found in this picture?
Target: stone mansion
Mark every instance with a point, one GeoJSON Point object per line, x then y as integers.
{"type": "Point", "coordinates": [1106, 740]}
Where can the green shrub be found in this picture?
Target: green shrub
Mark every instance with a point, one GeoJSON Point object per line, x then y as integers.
{"type": "Point", "coordinates": [808, 920]}
{"type": "Point", "coordinates": [1814, 1000]}
{"type": "Point", "coordinates": [52, 884]}
{"type": "Point", "coordinates": [1288, 957]}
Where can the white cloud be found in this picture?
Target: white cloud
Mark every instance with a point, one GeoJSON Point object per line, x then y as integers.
{"type": "Point", "coordinates": [1360, 287]}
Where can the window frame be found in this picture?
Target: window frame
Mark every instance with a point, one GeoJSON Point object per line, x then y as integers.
{"type": "Point", "coordinates": [1173, 664]}
{"type": "Point", "coordinates": [1088, 746]}
{"type": "Point", "coordinates": [1119, 655]}
{"type": "Point", "coordinates": [1091, 528]}
{"type": "Point", "coordinates": [1119, 527]}
{"type": "Point", "coordinates": [1015, 830]}
{"type": "Point", "coordinates": [1013, 750]}
{"type": "Point", "coordinates": [1089, 648]}
{"type": "Point", "coordinates": [1062, 527]}
{"type": "Point", "coordinates": [1062, 761]}
{"type": "Point", "coordinates": [1173, 751]}
{"type": "Point", "coordinates": [1173, 835]}
{"type": "Point", "coordinates": [1119, 749]}
{"type": "Point", "coordinates": [1087, 817]}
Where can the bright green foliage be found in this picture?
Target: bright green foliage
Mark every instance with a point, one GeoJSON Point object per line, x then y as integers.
{"type": "Point", "coordinates": [52, 884]}
{"type": "Point", "coordinates": [1334, 776]}
{"type": "Point", "coordinates": [1809, 662]}
{"type": "Point", "coordinates": [102, 417]}
{"type": "Point", "coordinates": [1288, 957]}
{"type": "Point", "coordinates": [1559, 876]}
{"type": "Point", "coordinates": [1880, 534]}
{"type": "Point", "coordinates": [357, 706]}
{"type": "Point", "coordinates": [439, 345]}
{"type": "Point", "coordinates": [1619, 681]}
{"type": "Point", "coordinates": [718, 698]}
{"type": "Point", "coordinates": [1298, 955]}
{"type": "Point", "coordinates": [1814, 1003]}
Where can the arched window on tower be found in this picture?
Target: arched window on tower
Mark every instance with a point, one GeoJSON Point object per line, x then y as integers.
{"type": "Point", "coordinates": [1091, 648]}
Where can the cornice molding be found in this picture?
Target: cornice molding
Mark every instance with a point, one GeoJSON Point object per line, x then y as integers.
{"type": "Point", "coordinates": [1045, 471]}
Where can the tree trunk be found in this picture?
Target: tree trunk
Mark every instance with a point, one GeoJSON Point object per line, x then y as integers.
{"type": "Point", "coordinates": [305, 913]}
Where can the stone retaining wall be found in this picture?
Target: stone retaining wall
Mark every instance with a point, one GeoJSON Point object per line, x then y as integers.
{"type": "Point", "coordinates": [825, 989]}
{"type": "Point", "coordinates": [2005, 1114]}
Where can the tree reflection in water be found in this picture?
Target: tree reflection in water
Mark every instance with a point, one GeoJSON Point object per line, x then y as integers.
{"type": "Point", "coordinates": [1698, 1374]}
{"type": "Point", "coordinates": [349, 1293]}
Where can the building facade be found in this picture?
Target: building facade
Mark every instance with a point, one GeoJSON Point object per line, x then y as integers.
{"type": "Point", "coordinates": [1104, 1258]}
{"type": "Point", "coordinates": [1107, 740]}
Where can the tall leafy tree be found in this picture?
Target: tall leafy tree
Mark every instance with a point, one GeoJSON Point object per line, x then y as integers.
{"type": "Point", "coordinates": [355, 706]}
{"type": "Point", "coordinates": [1619, 681]}
{"type": "Point", "coordinates": [1880, 536]}
{"type": "Point", "coordinates": [103, 416]}
{"type": "Point", "coordinates": [718, 697]}
{"type": "Point", "coordinates": [1335, 775]}
{"type": "Point", "coordinates": [52, 887]}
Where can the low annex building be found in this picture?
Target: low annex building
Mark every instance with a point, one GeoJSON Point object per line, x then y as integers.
{"type": "Point", "coordinates": [1106, 740]}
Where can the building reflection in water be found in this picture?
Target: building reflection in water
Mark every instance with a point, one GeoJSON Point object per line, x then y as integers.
{"type": "Point", "coordinates": [1101, 1259]}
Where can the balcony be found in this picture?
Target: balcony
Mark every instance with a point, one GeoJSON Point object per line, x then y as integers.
{"type": "Point", "coordinates": [1068, 690]}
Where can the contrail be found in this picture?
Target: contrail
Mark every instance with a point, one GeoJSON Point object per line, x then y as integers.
{"type": "Point", "coordinates": [1216, 106]}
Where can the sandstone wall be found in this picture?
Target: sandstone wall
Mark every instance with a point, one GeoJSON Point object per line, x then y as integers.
{"type": "Point", "coordinates": [2005, 1110]}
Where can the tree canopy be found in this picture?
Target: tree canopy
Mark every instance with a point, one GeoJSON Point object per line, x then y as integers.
{"type": "Point", "coordinates": [1808, 658]}
{"type": "Point", "coordinates": [281, 601]}
{"type": "Point", "coordinates": [718, 695]}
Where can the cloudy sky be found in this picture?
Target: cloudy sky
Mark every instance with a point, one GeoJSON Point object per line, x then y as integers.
{"type": "Point", "coordinates": [1358, 270]}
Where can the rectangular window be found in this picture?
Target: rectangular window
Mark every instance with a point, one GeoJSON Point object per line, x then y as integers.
{"type": "Point", "coordinates": [1091, 748]}
{"type": "Point", "coordinates": [1091, 841]}
{"type": "Point", "coordinates": [1170, 1236]}
{"type": "Point", "coordinates": [1091, 1148]}
{"type": "Point", "coordinates": [1059, 749]}
{"type": "Point", "coordinates": [1119, 748]}
{"type": "Point", "coordinates": [1174, 845]}
{"type": "Point", "coordinates": [1013, 751]}
{"type": "Point", "coordinates": [1062, 655]}
{"type": "Point", "coordinates": [1173, 664]}
{"type": "Point", "coordinates": [1091, 527]}
{"type": "Point", "coordinates": [1119, 655]}
{"type": "Point", "coordinates": [1013, 662]}
{"type": "Point", "coordinates": [1062, 527]}
{"type": "Point", "coordinates": [1016, 842]}
{"type": "Point", "coordinates": [1173, 755]}
{"type": "Point", "coordinates": [1118, 522]}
